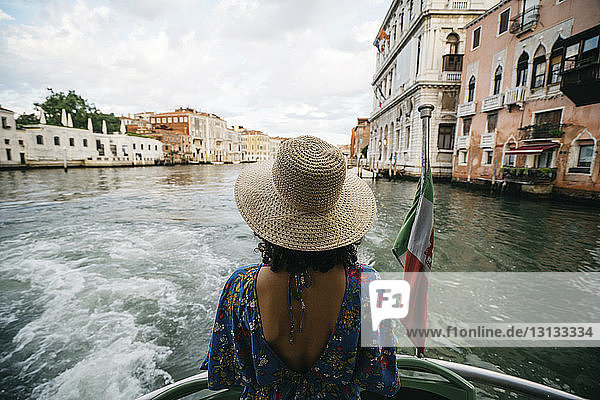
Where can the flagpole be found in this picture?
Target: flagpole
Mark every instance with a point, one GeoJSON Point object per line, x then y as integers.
{"type": "Point", "coordinates": [426, 111]}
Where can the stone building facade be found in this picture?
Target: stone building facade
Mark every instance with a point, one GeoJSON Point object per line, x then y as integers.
{"type": "Point", "coordinates": [13, 141]}
{"type": "Point", "coordinates": [207, 132]}
{"type": "Point", "coordinates": [177, 146]}
{"type": "Point", "coordinates": [359, 138]}
{"type": "Point", "coordinates": [43, 145]}
{"type": "Point", "coordinates": [257, 145]}
{"type": "Point", "coordinates": [530, 98]}
{"type": "Point", "coordinates": [419, 60]}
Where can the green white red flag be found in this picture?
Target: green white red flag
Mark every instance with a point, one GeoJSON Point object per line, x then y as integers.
{"type": "Point", "coordinates": [414, 250]}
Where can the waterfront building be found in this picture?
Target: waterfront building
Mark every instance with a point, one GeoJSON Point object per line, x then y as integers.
{"type": "Point", "coordinates": [274, 143]}
{"type": "Point", "coordinates": [176, 145]}
{"type": "Point", "coordinates": [137, 124]}
{"type": "Point", "coordinates": [530, 98]}
{"type": "Point", "coordinates": [42, 145]}
{"type": "Point", "coordinates": [419, 60]}
{"type": "Point", "coordinates": [233, 146]}
{"type": "Point", "coordinates": [359, 139]}
{"type": "Point", "coordinates": [207, 131]}
{"type": "Point", "coordinates": [12, 140]}
{"type": "Point", "coordinates": [120, 150]}
{"type": "Point", "coordinates": [257, 145]}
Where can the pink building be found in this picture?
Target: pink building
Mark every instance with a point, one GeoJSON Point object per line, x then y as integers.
{"type": "Point", "coordinates": [530, 98]}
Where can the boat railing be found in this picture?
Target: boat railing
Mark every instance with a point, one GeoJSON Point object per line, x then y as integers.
{"type": "Point", "coordinates": [453, 381]}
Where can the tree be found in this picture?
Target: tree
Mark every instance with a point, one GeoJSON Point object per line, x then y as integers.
{"type": "Point", "coordinates": [80, 110]}
{"type": "Point", "coordinates": [27, 119]}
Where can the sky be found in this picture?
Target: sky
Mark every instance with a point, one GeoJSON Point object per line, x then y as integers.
{"type": "Point", "coordinates": [284, 67]}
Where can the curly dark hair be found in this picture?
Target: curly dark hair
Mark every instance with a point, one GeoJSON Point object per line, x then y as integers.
{"type": "Point", "coordinates": [292, 261]}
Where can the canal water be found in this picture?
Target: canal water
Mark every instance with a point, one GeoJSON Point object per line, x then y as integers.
{"type": "Point", "coordinates": [109, 277]}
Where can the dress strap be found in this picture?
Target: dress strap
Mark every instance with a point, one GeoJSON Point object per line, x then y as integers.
{"type": "Point", "coordinates": [296, 281]}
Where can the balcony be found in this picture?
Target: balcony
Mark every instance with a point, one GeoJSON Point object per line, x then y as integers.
{"type": "Point", "coordinates": [452, 62]}
{"type": "Point", "coordinates": [466, 109]}
{"type": "Point", "coordinates": [488, 140]}
{"type": "Point", "coordinates": [451, 76]}
{"type": "Point", "coordinates": [462, 142]}
{"type": "Point", "coordinates": [460, 4]}
{"type": "Point", "coordinates": [514, 95]}
{"type": "Point", "coordinates": [528, 175]}
{"type": "Point", "coordinates": [525, 22]}
{"type": "Point", "coordinates": [580, 72]}
{"type": "Point", "coordinates": [542, 131]}
{"type": "Point", "coordinates": [492, 103]}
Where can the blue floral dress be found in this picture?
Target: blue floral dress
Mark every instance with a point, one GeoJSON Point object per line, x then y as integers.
{"type": "Point", "coordinates": [239, 354]}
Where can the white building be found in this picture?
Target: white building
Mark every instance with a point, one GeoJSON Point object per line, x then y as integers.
{"type": "Point", "coordinates": [116, 149]}
{"type": "Point", "coordinates": [12, 141]}
{"type": "Point", "coordinates": [44, 145]}
{"type": "Point", "coordinates": [233, 146]}
{"type": "Point", "coordinates": [49, 145]}
{"type": "Point", "coordinates": [419, 61]}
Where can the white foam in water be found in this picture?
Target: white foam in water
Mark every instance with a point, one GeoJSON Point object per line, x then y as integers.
{"type": "Point", "coordinates": [87, 338]}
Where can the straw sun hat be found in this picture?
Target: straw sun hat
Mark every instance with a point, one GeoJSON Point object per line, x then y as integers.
{"type": "Point", "coordinates": [305, 200]}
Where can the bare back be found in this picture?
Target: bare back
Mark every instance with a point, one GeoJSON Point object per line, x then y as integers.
{"type": "Point", "coordinates": [323, 301]}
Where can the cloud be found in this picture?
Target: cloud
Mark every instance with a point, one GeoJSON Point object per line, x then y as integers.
{"type": "Point", "coordinates": [286, 68]}
{"type": "Point", "coordinates": [5, 17]}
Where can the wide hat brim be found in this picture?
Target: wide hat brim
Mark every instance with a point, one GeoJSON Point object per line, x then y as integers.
{"type": "Point", "coordinates": [275, 220]}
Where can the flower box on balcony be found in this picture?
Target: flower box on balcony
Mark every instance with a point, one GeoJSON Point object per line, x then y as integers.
{"type": "Point", "coordinates": [528, 175]}
{"type": "Point", "coordinates": [545, 130]}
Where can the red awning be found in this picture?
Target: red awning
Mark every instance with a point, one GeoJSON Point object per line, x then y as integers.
{"type": "Point", "coordinates": [532, 149]}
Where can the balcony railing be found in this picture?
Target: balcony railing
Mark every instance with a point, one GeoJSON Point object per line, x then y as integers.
{"type": "Point", "coordinates": [466, 109]}
{"type": "Point", "coordinates": [451, 76]}
{"type": "Point", "coordinates": [460, 4]}
{"type": "Point", "coordinates": [488, 139]}
{"type": "Point", "coordinates": [492, 103]}
{"type": "Point", "coordinates": [542, 131]}
{"type": "Point", "coordinates": [514, 95]}
{"type": "Point", "coordinates": [526, 21]}
{"type": "Point", "coordinates": [462, 142]}
{"type": "Point", "coordinates": [528, 175]}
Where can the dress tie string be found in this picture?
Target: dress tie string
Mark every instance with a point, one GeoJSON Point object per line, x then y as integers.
{"type": "Point", "coordinates": [296, 281]}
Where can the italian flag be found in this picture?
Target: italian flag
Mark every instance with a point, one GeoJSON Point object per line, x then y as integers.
{"type": "Point", "coordinates": [414, 250]}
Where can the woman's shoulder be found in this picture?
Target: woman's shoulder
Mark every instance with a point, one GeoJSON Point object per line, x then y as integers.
{"type": "Point", "coordinates": [246, 272]}
{"type": "Point", "coordinates": [241, 281]}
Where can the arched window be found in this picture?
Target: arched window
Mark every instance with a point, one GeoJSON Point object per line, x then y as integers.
{"type": "Point", "coordinates": [539, 68]}
{"type": "Point", "coordinates": [522, 65]}
{"type": "Point", "coordinates": [39, 139]}
{"type": "Point", "coordinates": [471, 89]}
{"type": "Point", "coordinates": [56, 141]}
{"type": "Point", "coordinates": [555, 60]}
{"type": "Point", "coordinates": [498, 80]}
{"type": "Point", "coordinates": [452, 40]}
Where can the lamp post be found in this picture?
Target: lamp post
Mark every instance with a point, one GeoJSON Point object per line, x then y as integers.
{"type": "Point", "coordinates": [426, 111]}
